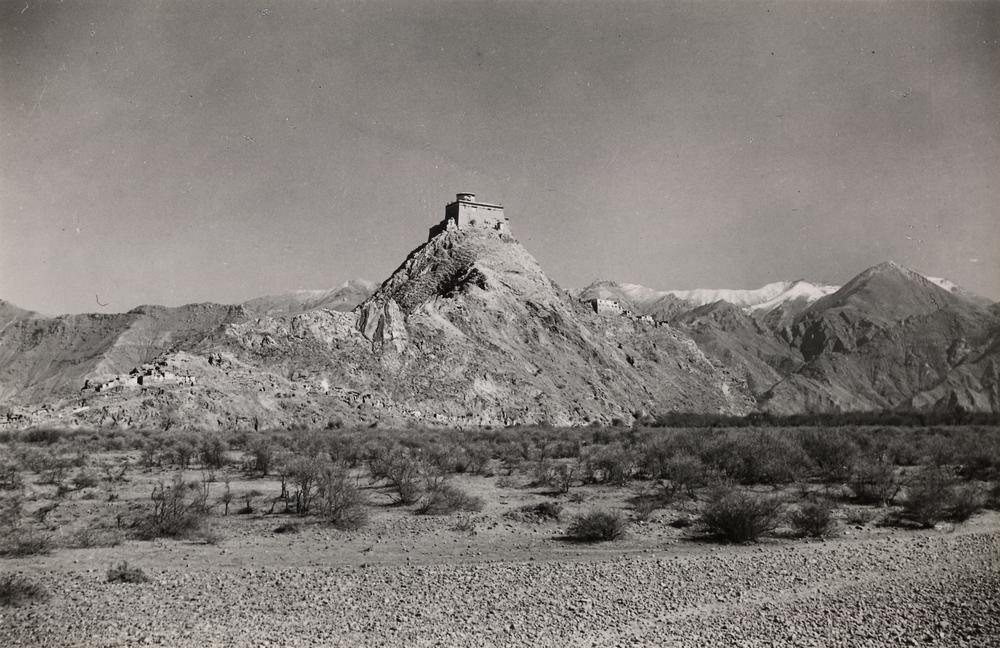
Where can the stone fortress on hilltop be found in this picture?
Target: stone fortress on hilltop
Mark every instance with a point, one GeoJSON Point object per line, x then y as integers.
{"type": "Point", "coordinates": [468, 213]}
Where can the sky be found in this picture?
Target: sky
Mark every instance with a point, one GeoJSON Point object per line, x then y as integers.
{"type": "Point", "coordinates": [177, 151]}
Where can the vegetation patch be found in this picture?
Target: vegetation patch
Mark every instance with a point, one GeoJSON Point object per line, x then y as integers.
{"type": "Point", "coordinates": [597, 526]}
{"type": "Point", "coordinates": [540, 512]}
{"type": "Point", "coordinates": [734, 515]}
{"type": "Point", "coordinates": [448, 499]}
{"type": "Point", "coordinates": [16, 590]}
{"type": "Point", "coordinates": [123, 573]}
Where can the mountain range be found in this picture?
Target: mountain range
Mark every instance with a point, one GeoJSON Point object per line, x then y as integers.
{"type": "Point", "coordinates": [469, 331]}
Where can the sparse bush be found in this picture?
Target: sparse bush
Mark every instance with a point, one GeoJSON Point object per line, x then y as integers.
{"type": "Point", "coordinates": [10, 477]}
{"type": "Point", "coordinates": [859, 516]}
{"type": "Point", "coordinates": [183, 451]}
{"type": "Point", "coordinates": [25, 542]}
{"type": "Point", "coordinates": [115, 473]}
{"type": "Point", "coordinates": [833, 453]}
{"type": "Point", "coordinates": [248, 497]}
{"type": "Point", "coordinates": [612, 464]}
{"type": "Point", "coordinates": [16, 590]}
{"type": "Point", "coordinates": [448, 499]}
{"type": "Point", "coordinates": [400, 469]}
{"type": "Point", "coordinates": [227, 496]}
{"type": "Point", "coordinates": [464, 525]}
{"type": "Point", "coordinates": [562, 477]}
{"type": "Point", "coordinates": [966, 501]}
{"type": "Point", "coordinates": [150, 453]}
{"type": "Point", "coordinates": [122, 573]}
{"type": "Point", "coordinates": [684, 473]}
{"type": "Point", "coordinates": [55, 471]}
{"type": "Point", "coordinates": [86, 478]}
{"type": "Point", "coordinates": [304, 474]}
{"type": "Point", "coordinates": [875, 482]}
{"type": "Point", "coordinates": [813, 519]}
{"type": "Point", "coordinates": [339, 501]}
{"type": "Point", "coordinates": [934, 495]}
{"type": "Point", "coordinates": [93, 536]}
{"type": "Point", "coordinates": [176, 512]}
{"type": "Point", "coordinates": [928, 496]}
{"type": "Point", "coordinates": [288, 527]}
{"type": "Point", "coordinates": [740, 516]}
{"type": "Point", "coordinates": [993, 497]}
{"type": "Point", "coordinates": [11, 510]}
{"type": "Point", "coordinates": [42, 436]}
{"type": "Point", "coordinates": [644, 507]}
{"type": "Point", "coordinates": [597, 526]}
{"type": "Point", "coordinates": [262, 450]}
{"type": "Point", "coordinates": [757, 457]}
{"type": "Point", "coordinates": [213, 451]}
{"type": "Point", "coordinates": [541, 512]}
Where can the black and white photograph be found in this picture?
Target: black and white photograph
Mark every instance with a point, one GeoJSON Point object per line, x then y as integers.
{"type": "Point", "coordinates": [513, 323]}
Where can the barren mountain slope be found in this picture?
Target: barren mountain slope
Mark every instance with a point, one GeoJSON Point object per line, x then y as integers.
{"type": "Point", "coordinates": [885, 336]}
{"type": "Point", "coordinates": [45, 358]}
{"type": "Point", "coordinates": [742, 342]}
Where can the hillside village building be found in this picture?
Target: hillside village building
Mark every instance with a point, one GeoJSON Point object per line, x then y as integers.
{"type": "Point", "coordinates": [466, 213]}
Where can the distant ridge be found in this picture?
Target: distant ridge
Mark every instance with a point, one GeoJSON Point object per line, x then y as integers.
{"type": "Point", "coordinates": [341, 298]}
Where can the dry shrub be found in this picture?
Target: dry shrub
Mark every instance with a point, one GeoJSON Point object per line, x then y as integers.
{"type": "Point", "coordinates": [400, 469]}
{"type": "Point", "coordinates": [934, 495]}
{"type": "Point", "coordinates": [122, 573]}
{"type": "Point", "coordinates": [757, 457]}
{"type": "Point", "coordinates": [597, 526]}
{"type": "Point", "coordinates": [611, 464]}
{"type": "Point", "coordinates": [740, 516]}
{"type": "Point", "coordinates": [813, 519]}
{"type": "Point", "coordinates": [833, 453]}
{"type": "Point", "coordinates": [176, 511]}
{"type": "Point", "coordinates": [339, 501]}
{"type": "Point", "coordinates": [449, 499]}
{"type": "Point", "coordinates": [10, 477]}
{"type": "Point", "coordinates": [25, 542]}
{"type": "Point", "coordinates": [875, 482]}
{"type": "Point", "coordinates": [967, 500]}
{"type": "Point", "coordinates": [541, 512]}
{"type": "Point", "coordinates": [16, 590]}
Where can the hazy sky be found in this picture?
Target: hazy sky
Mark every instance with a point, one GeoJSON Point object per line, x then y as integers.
{"type": "Point", "coordinates": [172, 152]}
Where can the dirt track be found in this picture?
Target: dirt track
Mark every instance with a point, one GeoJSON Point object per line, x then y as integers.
{"type": "Point", "coordinates": [906, 588]}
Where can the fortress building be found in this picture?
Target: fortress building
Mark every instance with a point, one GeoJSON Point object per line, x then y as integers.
{"type": "Point", "coordinates": [466, 212]}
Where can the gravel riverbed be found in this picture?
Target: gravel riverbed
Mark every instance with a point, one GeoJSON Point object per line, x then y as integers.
{"type": "Point", "coordinates": [936, 589]}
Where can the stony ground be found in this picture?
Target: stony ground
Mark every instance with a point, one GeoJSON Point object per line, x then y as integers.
{"type": "Point", "coordinates": [938, 588]}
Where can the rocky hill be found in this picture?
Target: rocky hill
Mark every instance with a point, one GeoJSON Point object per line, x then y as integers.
{"type": "Point", "coordinates": [470, 331]}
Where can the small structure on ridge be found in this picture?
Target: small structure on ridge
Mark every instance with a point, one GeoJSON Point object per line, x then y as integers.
{"type": "Point", "coordinates": [467, 213]}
